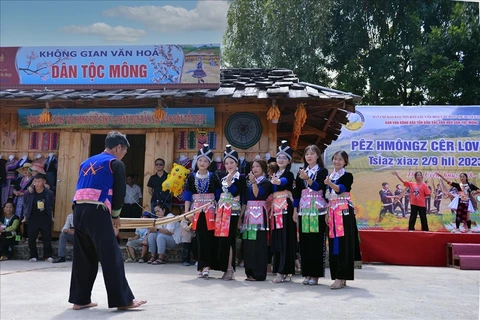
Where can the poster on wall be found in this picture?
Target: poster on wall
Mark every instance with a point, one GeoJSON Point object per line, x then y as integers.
{"type": "Point", "coordinates": [430, 139]}
{"type": "Point", "coordinates": [103, 65]}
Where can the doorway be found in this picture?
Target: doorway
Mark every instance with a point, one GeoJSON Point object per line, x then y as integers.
{"type": "Point", "coordinates": [134, 160]}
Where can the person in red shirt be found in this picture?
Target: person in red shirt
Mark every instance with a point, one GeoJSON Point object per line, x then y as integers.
{"type": "Point", "coordinates": [418, 191]}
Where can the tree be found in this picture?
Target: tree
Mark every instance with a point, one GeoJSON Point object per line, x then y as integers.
{"type": "Point", "coordinates": [277, 34]}
{"type": "Point", "coordinates": [390, 52]}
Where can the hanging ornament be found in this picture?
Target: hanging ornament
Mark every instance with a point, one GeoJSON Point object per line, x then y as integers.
{"type": "Point", "coordinates": [273, 112]}
{"type": "Point", "coordinates": [46, 115]}
{"type": "Point", "coordinates": [159, 112]}
{"type": "Point", "coordinates": [300, 119]}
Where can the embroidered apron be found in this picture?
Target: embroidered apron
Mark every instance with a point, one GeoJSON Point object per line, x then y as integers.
{"type": "Point", "coordinates": [312, 204]}
{"type": "Point", "coordinates": [279, 207]}
{"type": "Point", "coordinates": [199, 200]}
{"type": "Point", "coordinates": [227, 206]}
{"type": "Point", "coordinates": [254, 219]}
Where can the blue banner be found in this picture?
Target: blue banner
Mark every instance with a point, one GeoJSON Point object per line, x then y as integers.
{"type": "Point", "coordinates": [117, 118]}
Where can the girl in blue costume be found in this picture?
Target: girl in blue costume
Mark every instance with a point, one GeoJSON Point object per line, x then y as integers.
{"type": "Point", "coordinates": [343, 233]}
{"type": "Point", "coordinates": [198, 73]}
{"type": "Point", "coordinates": [309, 213]}
{"type": "Point", "coordinates": [284, 229]}
{"type": "Point", "coordinates": [255, 222]}
{"type": "Point", "coordinates": [203, 187]}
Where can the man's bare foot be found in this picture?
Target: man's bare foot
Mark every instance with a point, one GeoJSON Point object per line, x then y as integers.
{"type": "Point", "coordinates": [134, 304]}
{"type": "Point", "coordinates": [84, 306]}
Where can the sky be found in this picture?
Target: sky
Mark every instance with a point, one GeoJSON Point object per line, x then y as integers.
{"type": "Point", "coordinates": [92, 22]}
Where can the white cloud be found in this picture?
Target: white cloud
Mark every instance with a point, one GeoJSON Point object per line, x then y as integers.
{"type": "Point", "coordinates": [107, 32]}
{"type": "Point", "coordinates": [208, 15]}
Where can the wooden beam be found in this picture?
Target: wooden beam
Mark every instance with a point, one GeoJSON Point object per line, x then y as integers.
{"type": "Point", "coordinates": [327, 124]}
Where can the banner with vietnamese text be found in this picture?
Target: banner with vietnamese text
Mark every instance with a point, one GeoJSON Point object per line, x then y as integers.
{"type": "Point", "coordinates": [103, 65]}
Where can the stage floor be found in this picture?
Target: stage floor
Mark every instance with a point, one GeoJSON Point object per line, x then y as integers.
{"type": "Point", "coordinates": [416, 248]}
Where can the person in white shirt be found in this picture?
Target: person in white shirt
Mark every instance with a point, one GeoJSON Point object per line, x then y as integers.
{"type": "Point", "coordinates": [67, 235]}
{"type": "Point", "coordinates": [133, 196]}
{"type": "Point", "coordinates": [164, 237]}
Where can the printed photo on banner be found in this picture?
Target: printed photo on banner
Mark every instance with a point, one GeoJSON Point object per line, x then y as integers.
{"type": "Point", "coordinates": [381, 140]}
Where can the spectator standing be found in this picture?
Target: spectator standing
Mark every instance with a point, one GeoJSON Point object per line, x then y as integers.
{"type": "Point", "coordinates": [154, 185]}
{"type": "Point", "coordinates": [38, 213]}
{"type": "Point", "coordinates": [133, 196]}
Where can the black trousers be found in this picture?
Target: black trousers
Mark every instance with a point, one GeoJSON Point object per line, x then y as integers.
{"type": "Point", "coordinates": [95, 242]}
{"type": "Point", "coordinates": [422, 212]}
{"type": "Point", "coordinates": [186, 250]}
{"type": "Point", "coordinates": [131, 211]}
{"type": "Point", "coordinates": [42, 224]}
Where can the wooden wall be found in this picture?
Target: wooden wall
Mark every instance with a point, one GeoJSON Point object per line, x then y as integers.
{"type": "Point", "coordinates": [160, 143]}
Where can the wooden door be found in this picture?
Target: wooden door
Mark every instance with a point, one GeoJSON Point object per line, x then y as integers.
{"type": "Point", "coordinates": [73, 149]}
{"type": "Point", "coordinates": [157, 145]}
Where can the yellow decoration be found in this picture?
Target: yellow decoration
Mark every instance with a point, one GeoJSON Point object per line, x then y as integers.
{"type": "Point", "coordinates": [273, 113]}
{"type": "Point", "coordinates": [300, 119]}
{"type": "Point", "coordinates": [159, 113]}
{"type": "Point", "coordinates": [46, 115]}
{"type": "Point", "coordinates": [176, 179]}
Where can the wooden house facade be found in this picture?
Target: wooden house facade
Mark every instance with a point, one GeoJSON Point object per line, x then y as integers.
{"type": "Point", "coordinates": [240, 103]}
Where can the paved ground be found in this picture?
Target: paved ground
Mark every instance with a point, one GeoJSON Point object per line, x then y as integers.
{"type": "Point", "coordinates": [40, 291]}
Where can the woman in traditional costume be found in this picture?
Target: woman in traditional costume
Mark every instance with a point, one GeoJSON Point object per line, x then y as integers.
{"type": "Point", "coordinates": [462, 204]}
{"type": "Point", "coordinates": [255, 223]}
{"type": "Point", "coordinates": [284, 229]}
{"type": "Point", "coordinates": [342, 225]}
{"type": "Point", "coordinates": [309, 213]}
{"type": "Point", "coordinates": [228, 212]}
{"type": "Point", "coordinates": [203, 187]}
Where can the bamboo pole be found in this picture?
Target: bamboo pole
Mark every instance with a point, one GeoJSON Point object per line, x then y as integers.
{"type": "Point", "coordinates": [133, 223]}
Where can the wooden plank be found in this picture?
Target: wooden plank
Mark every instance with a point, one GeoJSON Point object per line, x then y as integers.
{"type": "Point", "coordinates": [225, 91]}
{"type": "Point", "coordinates": [272, 137]}
{"type": "Point", "coordinates": [61, 197]}
{"type": "Point", "coordinates": [238, 93]}
{"type": "Point", "coordinates": [5, 130]}
{"type": "Point", "coordinates": [278, 91]}
{"type": "Point", "coordinates": [296, 94]}
{"type": "Point", "coordinates": [312, 91]}
{"type": "Point", "coordinates": [262, 94]}
{"type": "Point", "coordinates": [149, 165]}
{"type": "Point", "coordinates": [13, 133]}
{"type": "Point", "coordinates": [263, 143]}
{"type": "Point", "coordinates": [74, 148]}
{"type": "Point", "coordinates": [250, 92]}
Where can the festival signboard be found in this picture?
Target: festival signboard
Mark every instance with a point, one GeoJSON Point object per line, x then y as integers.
{"type": "Point", "coordinates": [104, 65]}
{"type": "Point", "coordinates": [430, 139]}
{"type": "Point", "coordinates": [118, 118]}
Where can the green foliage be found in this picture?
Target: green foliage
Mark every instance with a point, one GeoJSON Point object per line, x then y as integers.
{"type": "Point", "coordinates": [390, 52]}
{"type": "Point", "coordinates": [277, 34]}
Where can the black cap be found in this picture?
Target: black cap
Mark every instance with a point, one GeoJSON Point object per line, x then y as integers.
{"type": "Point", "coordinates": [285, 149]}
{"type": "Point", "coordinates": [205, 152]}
{"type": "Point", "coordinates": [230, 153]}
